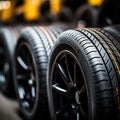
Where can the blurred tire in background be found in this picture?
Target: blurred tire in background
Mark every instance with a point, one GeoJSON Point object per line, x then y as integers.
{"type": "Point", "coordinates": [86, 15]}
{"type": "Point", "coordinates": [31, 58]}
{"type": "Point", "coordinates": [8, 41]}
{"type": "Point", "coordinates": [108, 13]}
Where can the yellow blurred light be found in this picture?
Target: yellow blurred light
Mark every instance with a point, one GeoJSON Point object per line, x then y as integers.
{"type": "Point", "coordinates": [31, 9]}
{"type": "Point", "coordinates": [5, 5]}
{"type": "Point", "coordinates": [7, 8]}
{"type": "Point", "coordinates": [1, 5]}
{"type": "Point", "coordinates": [95, 2]}
{"type": "Point", "coordinates": [55, 6]}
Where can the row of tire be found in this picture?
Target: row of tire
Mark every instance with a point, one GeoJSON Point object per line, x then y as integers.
{"type": "Point", "coordinates": [61, 72]}
{"type": "Point", "coordinates": [72, 11]}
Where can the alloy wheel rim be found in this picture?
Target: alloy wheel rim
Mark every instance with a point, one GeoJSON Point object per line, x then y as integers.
{"type": "Point", "coordinates": [69, 92]}
{"type": "Point", "coordinates": [26, 78]}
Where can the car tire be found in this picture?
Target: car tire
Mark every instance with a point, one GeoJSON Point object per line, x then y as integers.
{"type": "Point", "coordinates": [7, 47]}
{"type": "Point", "coordinates": [108, 13]}
{"type": "Point", "coordinates": [86, 15]}
{"type": "Point", "coordinates": [81, 79]}
{"type": "Point", "coordinates": [32, 52]}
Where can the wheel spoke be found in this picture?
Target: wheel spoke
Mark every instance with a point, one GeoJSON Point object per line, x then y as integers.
{"type": "Point", "coordinates": [68, 70]}
{"type": "Point", "coordinates": [59, 89]}
{"type": "Point", "coordinates": [82, 90]}
{"type": "Point", "coordinates": [63, 74]}
{"type": "Point", "coordinates": [24, 96]}
{"type": "Point", "coordinates": [4, 73]}
{"type": "Point", "coordinates": [108, 21]}
{"type": "Point", "coordinates": [32, 88]}
{"type": "Point", "coordinates": [22, 63]}
{"type": "Point", "coordinates": [27, 94]}
{"type": "Point", "coordinates": [21, 92]}
{"type": "Point", "coordinates": [33, 91]}
{"type": "Point", "coordinates": [74, 71]}
{"type": "Point", "coordinates": [78, 116]}
{"type": "Point", "coordinates": [2, 78]}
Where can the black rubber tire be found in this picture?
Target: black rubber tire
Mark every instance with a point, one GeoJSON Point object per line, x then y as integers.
{"type": "Point", "coordinates": [108, 13]}
{"type": "Point", "coordinates": [113, 36]}
{"type": "Point", "coordinates": [65, 15]}
{"type": "Point", "coordinates": [114, 44]}
{"type": "Point", "coordinates": [98, 73]}
{"type": "Point", "coordinates": [112, 33]}
{"type": "Point", "coordinates": [44, 12]}
{"type": "Point", "coordinates": [74, 4]}
{"type": "Point", "coordinates": [45, 7]}
{"type": "Point", "coordinates": [39, 41]}
{"type": "Point", "coordinates": [7, 42]}
{"type": "Point", "coordinates": [109, 42]}
{"type": "Point", "coordinates": [114, 30]}
{"type": "Point", "coordinates": [86, 15]}
{"type": "Point", "coordinates": [59, 27]}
